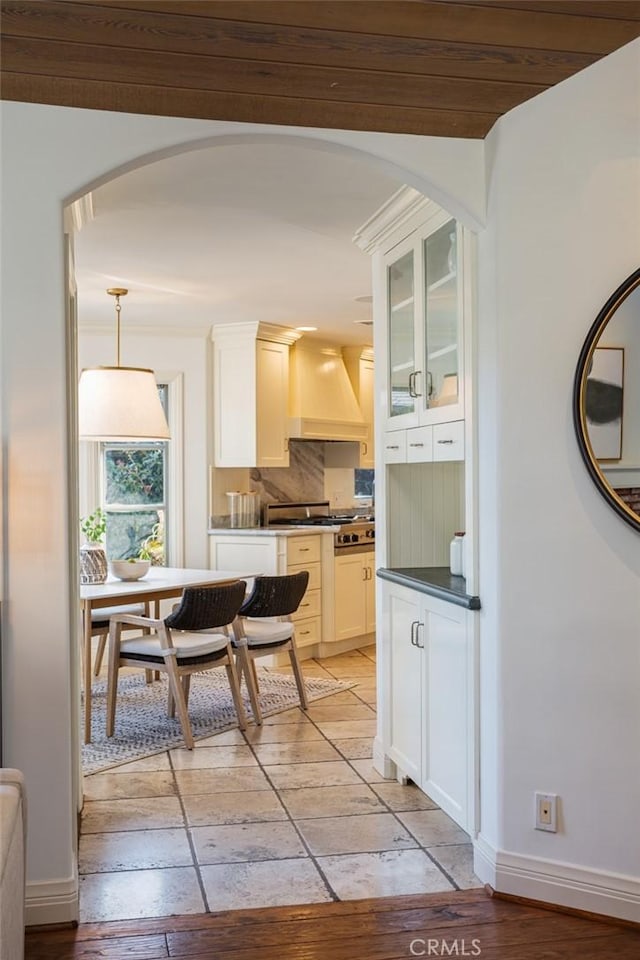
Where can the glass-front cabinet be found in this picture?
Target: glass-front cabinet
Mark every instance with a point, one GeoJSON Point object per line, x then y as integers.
{"type": "Point", "coordinates": [424, 286]}
{"type": "Point", "coordinates": [402, 336]}
{"type": "Point", "coordinates": [442, 317]}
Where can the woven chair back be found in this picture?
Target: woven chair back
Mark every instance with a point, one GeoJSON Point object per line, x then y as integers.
{"type": "Point", "coordinates": [203, 608]}
{"type": "Point", "coordinates": [276, 596]}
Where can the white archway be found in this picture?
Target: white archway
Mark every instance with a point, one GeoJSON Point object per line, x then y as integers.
{"type": "Point", "coordinates": [53, 156]}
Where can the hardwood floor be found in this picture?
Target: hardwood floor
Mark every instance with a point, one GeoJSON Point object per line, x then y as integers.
{"type": "Point", "coordinates": [465, 923]}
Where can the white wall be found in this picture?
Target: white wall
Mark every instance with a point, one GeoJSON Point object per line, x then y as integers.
{"type": "Point", "coordinates": [53, 154]}
{"type": "Point", "coordinates": [169, 354]}
{"type": "Point", "coordinates": [560, 575]}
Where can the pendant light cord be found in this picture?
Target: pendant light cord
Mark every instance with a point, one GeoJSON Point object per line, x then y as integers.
{"type": "Point", "coordinates": [118, 308]}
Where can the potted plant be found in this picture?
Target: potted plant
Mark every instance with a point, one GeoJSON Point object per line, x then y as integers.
{"type": "Point", "coordinates": [93, 559]}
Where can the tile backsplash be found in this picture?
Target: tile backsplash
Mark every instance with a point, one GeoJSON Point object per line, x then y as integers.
{"type": "Point", "coordinates": [306, 479]}
{"type": "Point", "coordinates": [302, 480]}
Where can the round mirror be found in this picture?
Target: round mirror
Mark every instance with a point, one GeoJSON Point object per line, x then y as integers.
{"type": "Point", "coordinates": [606, 400]}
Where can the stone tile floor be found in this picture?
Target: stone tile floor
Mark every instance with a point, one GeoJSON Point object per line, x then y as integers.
{"type": "Point", "coordinates": [289, 813]}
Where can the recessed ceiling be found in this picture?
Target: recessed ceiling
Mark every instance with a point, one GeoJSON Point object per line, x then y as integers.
{"type": "Point", "coordinates": [234, 233]}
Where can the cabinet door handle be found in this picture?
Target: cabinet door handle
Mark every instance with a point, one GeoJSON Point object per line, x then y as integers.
{"type": "Point", "coordinates": [444, 441]}
{"type": "Point", "coordinates": [365, 448]}
{"type": "Point", "coordinates": [413, 392]}
{"type": "Point", "coordinates": [430, 390]}
{"type": "Point", "coordinates": [394, 446]}
{"type": "Point", "coordinates": [414, 631]}
{"type": "Point", "coordinates": [418, 644]}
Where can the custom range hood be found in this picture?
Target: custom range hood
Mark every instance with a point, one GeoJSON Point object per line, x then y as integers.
{"type": "Point", "coordinates": [322, 404]}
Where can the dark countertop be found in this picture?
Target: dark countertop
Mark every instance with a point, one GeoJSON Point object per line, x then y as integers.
{"type": "Point", "coordinates": [435, 581]}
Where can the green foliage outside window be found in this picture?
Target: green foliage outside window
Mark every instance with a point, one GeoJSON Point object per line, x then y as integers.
{"type": "Point", "coordinates": [136, 534]}
{"type": "Point", "coordinates": [134, 476]}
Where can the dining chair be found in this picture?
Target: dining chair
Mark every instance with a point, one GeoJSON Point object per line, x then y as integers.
{"type": "Point", "coordinates": [100, 618]}
{"type": "Point", "coordinates": [192, 639]}
{"type": "Point", "coordinates": [264, 625]}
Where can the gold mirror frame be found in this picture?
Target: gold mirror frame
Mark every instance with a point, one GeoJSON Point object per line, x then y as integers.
{"type": "Point", "coordinates": [579, 407]}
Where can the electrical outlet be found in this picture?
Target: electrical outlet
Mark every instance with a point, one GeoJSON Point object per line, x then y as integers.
{"type": "Point", "coordinates": [546, 812]}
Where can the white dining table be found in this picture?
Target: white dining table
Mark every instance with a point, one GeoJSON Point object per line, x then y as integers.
{"type": "Point", "coordinates": [160, 583]}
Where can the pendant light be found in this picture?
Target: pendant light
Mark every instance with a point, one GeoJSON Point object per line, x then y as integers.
{"type": "Point", "coordinates": [120, 403]}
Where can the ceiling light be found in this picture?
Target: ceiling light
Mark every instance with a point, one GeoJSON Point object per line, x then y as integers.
{"type": "Point", "coordinates": [306, 329]}
{"type": "Point", "coordinates": [120, 403]}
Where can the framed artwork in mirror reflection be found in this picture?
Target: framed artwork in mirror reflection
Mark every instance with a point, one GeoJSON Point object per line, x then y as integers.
{"type": "Point", "coordinates": [604, 402]}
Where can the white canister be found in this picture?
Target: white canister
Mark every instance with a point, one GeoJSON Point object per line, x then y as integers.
{"type": "Point", "coordinates": [456, 555]}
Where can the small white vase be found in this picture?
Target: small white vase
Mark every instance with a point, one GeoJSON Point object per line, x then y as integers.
{"type": "Point", "coordinates": [93, 563]}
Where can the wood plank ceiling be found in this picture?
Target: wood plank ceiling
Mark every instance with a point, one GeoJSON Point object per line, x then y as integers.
{"type": "Point", "coordinates": [423, 66]}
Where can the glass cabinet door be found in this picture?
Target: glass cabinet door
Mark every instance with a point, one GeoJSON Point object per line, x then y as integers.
{"type": "Point", "coordinates": [402, 347]}
{"type": "Point", "coordinates": [442, 309]}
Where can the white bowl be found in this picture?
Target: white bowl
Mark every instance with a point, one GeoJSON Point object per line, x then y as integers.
{"type": "Point", "coordinates": [129, 569]}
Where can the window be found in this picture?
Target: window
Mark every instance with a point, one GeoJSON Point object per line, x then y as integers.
{"type": "Point", "coordinates": [364, 483]}
{"type": "Point", "coordinates": [134, 496]}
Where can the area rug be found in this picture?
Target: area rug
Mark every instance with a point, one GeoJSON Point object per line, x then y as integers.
{"type": "Point", "coordinates": [143, 727]}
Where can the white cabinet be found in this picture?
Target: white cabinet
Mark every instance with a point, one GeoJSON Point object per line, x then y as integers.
{"type": "Point", "coordinates": [275, 556]}
{"type": "Point", "coordinates": [427, 704]}
{"type": "Point", "coordinates": [354, 595]}
{"type": "Point", "coordinates": [251, 395]}
{"type": "Point", "coordinates": [403, 672]}
{"type": "Point", "coordinates": [431, 444]}
{"type": "Point", "coordinates": [423, 294]}
{"type": "Point", "coordinates": [422, 301]}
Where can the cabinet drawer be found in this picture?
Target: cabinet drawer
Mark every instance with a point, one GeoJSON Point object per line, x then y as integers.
{"type": "Point", "coordinates": [308, 632]}
{"type": "Point", "coordinates": [448, 441]}
{"type": "Point", "coordinates": [419, 444]}
{"type": "Point", "coordinates": [310, 606]}
{"type": "Point", "coordinates": [395, 446]}
{"type": "Point", "coordinates": [315, 579]}
{"type": "Point", "coordinates": [303, 550]}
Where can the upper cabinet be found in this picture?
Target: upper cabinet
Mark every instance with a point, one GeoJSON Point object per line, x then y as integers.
{"type": "Point", "coordinates": [251, 395]}
{"type": "Point", "coordinates": [421, 300]}
{"type": "Point", "coordinates": [359, 364]}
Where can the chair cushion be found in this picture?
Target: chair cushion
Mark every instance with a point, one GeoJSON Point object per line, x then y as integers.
{"type": "Point", "coordinates": [258, 632]}
{"type": "Point", "coordinates": [187, 644]}
{"type": "Point", "coordinates": [103, 613]}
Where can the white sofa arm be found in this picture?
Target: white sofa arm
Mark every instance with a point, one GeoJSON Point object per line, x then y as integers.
{"type": "Point", "coordinates": [13, 845]}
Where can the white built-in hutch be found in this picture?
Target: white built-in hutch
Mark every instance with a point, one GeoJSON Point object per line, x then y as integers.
{"type": "Point", "coordinates": [425, 492]}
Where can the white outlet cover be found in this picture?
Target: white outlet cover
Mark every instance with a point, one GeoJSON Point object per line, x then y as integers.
{"type": "Point", "coordinates": [550, 824]}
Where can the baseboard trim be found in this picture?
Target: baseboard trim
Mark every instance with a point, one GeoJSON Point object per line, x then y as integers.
{"type": "Point", "coordinates": [567, 911]}
{"type": "Point", "coordinates": [53, 902]}
{"type": "Point", "coordinates": [553, 883]}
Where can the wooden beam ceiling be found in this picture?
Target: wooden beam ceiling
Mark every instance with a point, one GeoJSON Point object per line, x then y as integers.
{"type": "Point", "coordinates": [434, 67]}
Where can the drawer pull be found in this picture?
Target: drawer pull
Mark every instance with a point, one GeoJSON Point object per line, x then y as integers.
{"type": "Point", "coordinates": [416, 444]}
{"type": "Point", "coordinates": [306, 549]}
{"type": "Point", "coordinates": [393, 446]}
{"type": "Point", "coordinates": [445, 441]}
{"type": "Point", "coordinates": [305, 604]}
{"type": "Point", "coordinates": [305, 633]}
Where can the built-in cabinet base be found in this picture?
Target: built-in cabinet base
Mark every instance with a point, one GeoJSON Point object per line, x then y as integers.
{"type": "Point", "coordinates": [427, 701]}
